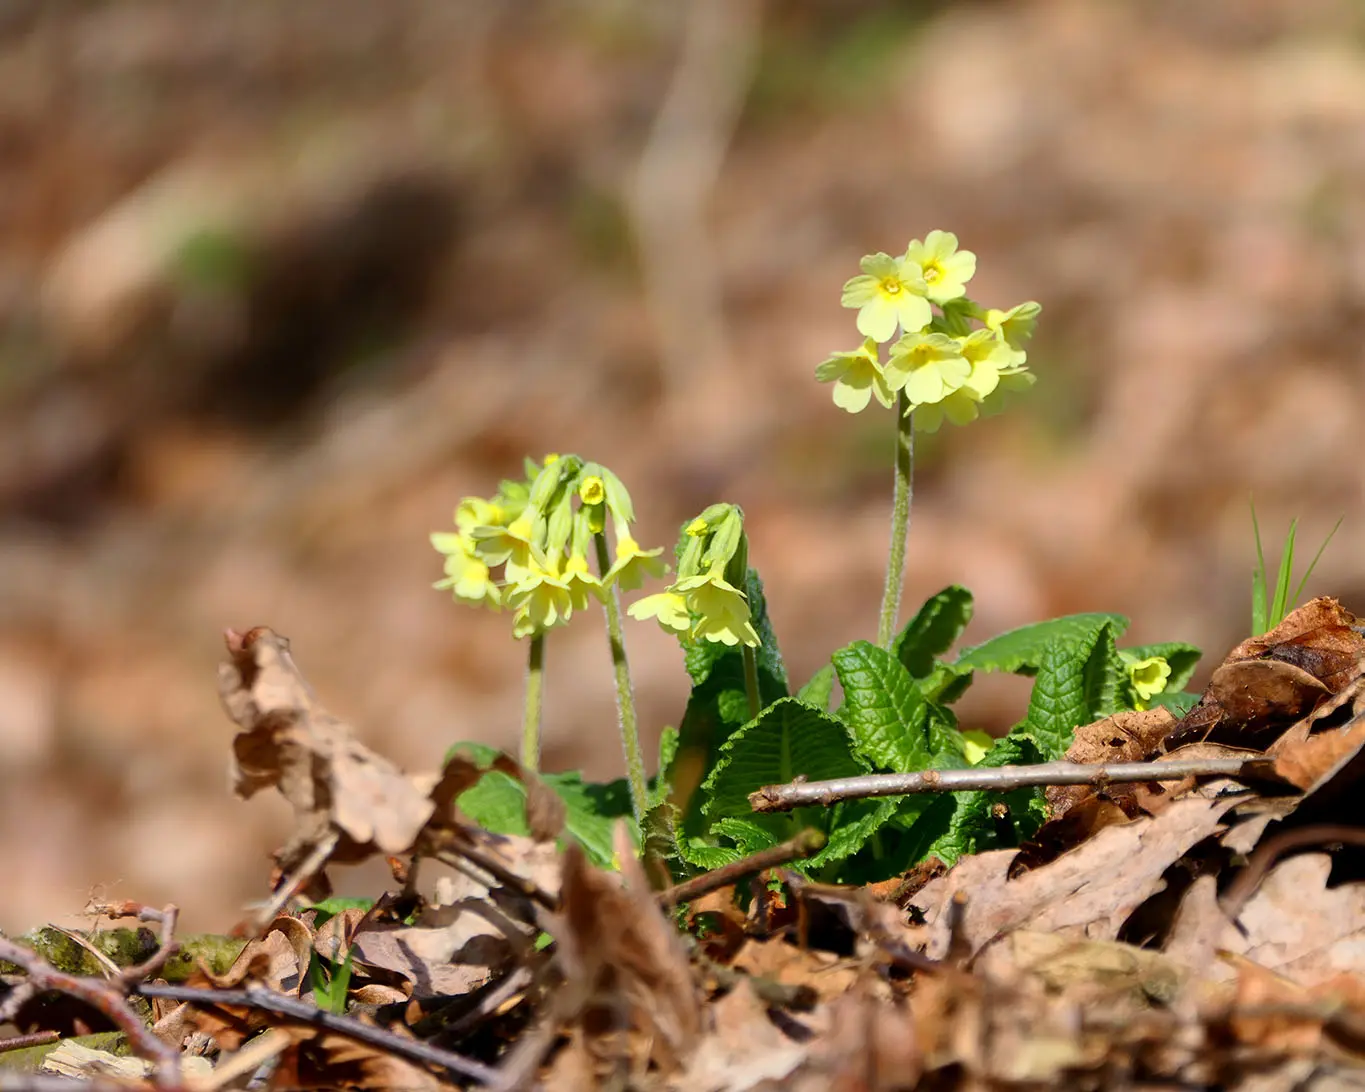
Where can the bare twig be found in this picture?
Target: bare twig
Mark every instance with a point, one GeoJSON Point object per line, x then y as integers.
{"type": "Point", "coordinates": [996, 779]}
{"type": "Point", "coordinates": [803, 845]}
{"type": "Point", "coordinates": [106, 997]}
{"type": "Point", "coordinates": [303, 1012]}
{"type": "Point", "coordinates": [33, 1039]}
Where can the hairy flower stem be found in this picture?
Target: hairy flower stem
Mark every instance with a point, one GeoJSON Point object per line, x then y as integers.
{"type": "Point", "coordinates": [900, 522]}
{"type": "Point", "coordinates": [625, 696]}
{"type": "Point", "coordinates": [535, 687]}
{"type": "Point", "coordinates": [751, 682]}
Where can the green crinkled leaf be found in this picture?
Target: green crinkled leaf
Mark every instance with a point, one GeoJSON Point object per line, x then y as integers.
{"type": "Point", "coordinates": [1075, 679]}
{"type": "Point", "coordinates": [883, 708]}
{"type": "Point", "coordinates": [750, 834]}
{"type": "Point", "coordinates": [1182, 658]}
{"type": "Point", "coordinates": [819, 689]}
{"type": "Point", "coordinates": [1178, 703]}
{"type": "Point", "coordinates": [705, 856]}
{"type": "Point", "coordinates": [787, 739]}
{"type": "Point", "coordinates": [946, 683]}
{"type": "Point", "coordinates": [970, 827]}
{"type": "Point", "coordinates": [852, 824]}
{"type": "Point", "coordinates": [1108, 686]}
{"type": "Point", "coordinates": [934, 630]}
{"type": "Point", "coordinates": [1021, 650]}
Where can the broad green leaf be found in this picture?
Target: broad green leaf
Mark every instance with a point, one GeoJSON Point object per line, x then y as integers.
{"type": "Point", "coordinates": [883, 708]}
{"type": "Point", "coordinates": [787, 739]}
{"type": "Point", "coordinates": [934, 630]}
{"type": "Point", "coordinates": [819, 689]}
{"type": "Point", "coordinates": [1021, 650]}
{"type": "Point", "coordinates": [498, 803]}
{"type": "Point", "coordinates": [1178, 703]}
{"type": "Point", "coordinates": [1181, 657]}
{"type": "Point", "coordinates": [1108, 686]}
{"type": "Point", "coordinates": [1060, 701]}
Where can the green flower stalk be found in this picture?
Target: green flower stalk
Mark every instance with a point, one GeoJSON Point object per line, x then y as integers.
{"type": "Point", "coordinates": [940, 368]}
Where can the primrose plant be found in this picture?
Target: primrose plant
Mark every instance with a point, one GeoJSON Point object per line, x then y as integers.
{"type": "Point", "coordinates": [930, 354]}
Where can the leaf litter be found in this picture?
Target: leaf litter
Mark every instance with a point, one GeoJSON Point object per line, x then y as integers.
{"type": "Point", "coordinates": [1202, 933]}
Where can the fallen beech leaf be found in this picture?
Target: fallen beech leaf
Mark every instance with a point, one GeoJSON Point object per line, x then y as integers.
{"type": "Point", "coordinates": [743, 1048]}
{"type": "Point", "coordinates": [1085, 893]}
{"type": "Point", "coordinates": [290, 742]}
{"type": "Point", "coordinates": [1092, 969]}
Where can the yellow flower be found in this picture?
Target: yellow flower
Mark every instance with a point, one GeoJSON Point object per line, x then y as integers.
{"type": "Point", "coordinates": [633, 564]}
{"type": "Point", "coordinates": [541, 598]}
{"type": "Point", "coordinates": [466, 574]}
{"type": "Point", "coordinates": [509, 546]}
{"type": "Point", "coordinates": [669, 608]}
{"type": "Point", "coordinates": [890, 292]}
{"type": "Point", "coordinates": [591, 490]}
{"type": "Point", "coordinates": [856, 376]}
{"type": "Point", "coordinates": [722, 608]}
{"type": "Point", "coordinates": [581, 582]}
{"type": "Point", "coordinates": [1015, 327]}
{"type": "Point", "coordinates": [928, 366]}
{"type": "Point", "coordinates": [945, 269]}
{"type": "Point", "coordinates": [1149, 677]}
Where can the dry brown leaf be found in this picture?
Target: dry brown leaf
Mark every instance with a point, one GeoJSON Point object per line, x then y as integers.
{"type": "Point", "coordinates": [826, 974]}
{"type": "Point", "coordinates": [1089, 971]}
{"type": "Point", "coordinates": [742, 1049]}
{"type": "Point", "coordinates": [1086, 893]}
{"type": "Point", "coordinates": [290, 742]}
{"type": "Point", "coordinates": [454, 950]}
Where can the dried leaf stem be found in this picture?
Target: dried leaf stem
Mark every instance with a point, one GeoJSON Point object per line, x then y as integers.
{"type": "Point", "coordinates": [995, 779]}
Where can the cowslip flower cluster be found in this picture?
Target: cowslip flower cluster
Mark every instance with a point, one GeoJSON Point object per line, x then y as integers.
{"type": "Point", "coordinates": [943, 365]}
{"type": "Point", "coordinates": [540, 531]}
{"type": "Point", "coordinates": [705, 601]}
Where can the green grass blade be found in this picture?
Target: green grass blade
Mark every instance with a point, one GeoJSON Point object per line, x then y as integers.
{"type": "Point", "coordinates": [1298, 592]}
{"type": "Point", "coordinates": [1260, 602]}
{"type": "Point", "coordinates": [1279, 607]}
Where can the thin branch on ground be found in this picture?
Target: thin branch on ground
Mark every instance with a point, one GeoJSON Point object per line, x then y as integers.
{"type": "Point", "coordinates": [803, 845]}
{"type": "Point", "coordinates": [106, 997]}
{"type": "Point", "coordinates": [997, 779]}
{"type": "Point", "coordinates": [303, 1012]}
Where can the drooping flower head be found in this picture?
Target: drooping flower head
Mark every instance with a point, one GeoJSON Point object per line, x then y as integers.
{"type": "Point", "coordinates": [543, 533]}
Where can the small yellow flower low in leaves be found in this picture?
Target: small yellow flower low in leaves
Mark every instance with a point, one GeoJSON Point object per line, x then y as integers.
{"type": "Point", "coordinates": [1148, 676]}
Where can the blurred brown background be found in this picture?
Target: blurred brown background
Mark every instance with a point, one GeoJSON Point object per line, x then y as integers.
{"type": "Point", "coordinates": [280, 282]}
